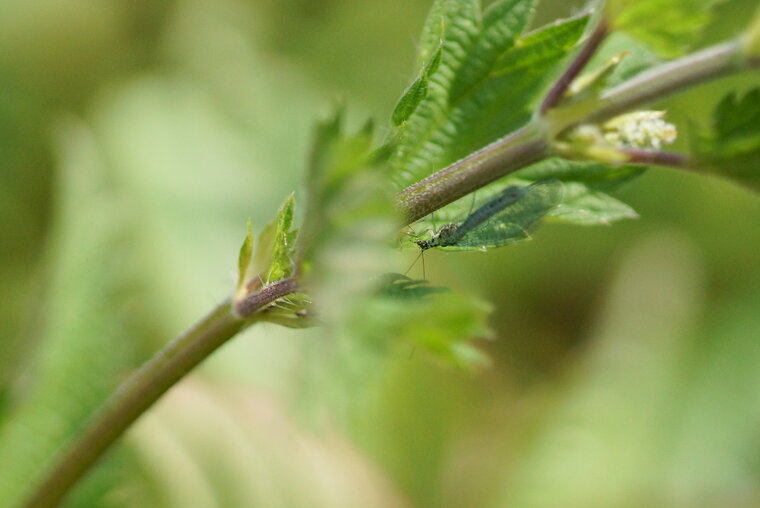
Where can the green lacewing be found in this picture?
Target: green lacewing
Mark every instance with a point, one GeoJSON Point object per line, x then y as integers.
{"type": "Point", "coordinates": [508, 218]}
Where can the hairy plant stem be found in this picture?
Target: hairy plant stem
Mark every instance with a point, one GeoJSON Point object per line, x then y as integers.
{"type": "Point", "coordinates": [527, 145]}
{"type": "Point", "coordinates": [523, 147]}
{"type": "Point", "coordinates": [532, 143]}
{"type": "Point", "coordinates": [146, 386]}
{"type": "Point", "coordinates": [661, 81]}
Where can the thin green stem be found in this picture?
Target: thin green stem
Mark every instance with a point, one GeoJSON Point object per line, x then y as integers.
{"type": "Point", "coordinates": [659, 82]}
{"type": "Point", "coordinates": [145, 387]}
{"type": "Point", "coordinates": [557, 91]}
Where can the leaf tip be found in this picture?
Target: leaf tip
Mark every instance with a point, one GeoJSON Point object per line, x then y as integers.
{"type": "Point", "coordinates": [408, 103]}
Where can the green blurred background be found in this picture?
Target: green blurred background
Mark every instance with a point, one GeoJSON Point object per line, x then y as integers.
{"type": "Point", "coordinates": [136, 138]}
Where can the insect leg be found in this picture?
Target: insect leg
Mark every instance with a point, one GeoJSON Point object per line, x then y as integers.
{"type": "Point", "coordinates": [415, 262]}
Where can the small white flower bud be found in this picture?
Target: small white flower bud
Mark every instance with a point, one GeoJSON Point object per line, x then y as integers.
{"type": "Point", "coordinates": [640, 129]}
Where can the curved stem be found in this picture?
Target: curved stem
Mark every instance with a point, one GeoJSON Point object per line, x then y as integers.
{"type": "Point", "coordinates": [512, 152]}
{"type": "Point", "coordinates": [145, 387]}
{"type": "Point", "coordinates": [659, 82]}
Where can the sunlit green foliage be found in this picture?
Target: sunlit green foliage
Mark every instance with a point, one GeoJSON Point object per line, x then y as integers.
{"type": "Point", "coordinates": [417, 91]}
{"type": "Point", "coordinates": [271, 258]}
{"type": "Point", "coordinates": [276, 250]}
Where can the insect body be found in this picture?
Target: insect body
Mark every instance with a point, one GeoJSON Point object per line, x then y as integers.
{"type": "Point", "coordinates": [505, 219]}
{"type": "Point", "coordinates": [440, 239]}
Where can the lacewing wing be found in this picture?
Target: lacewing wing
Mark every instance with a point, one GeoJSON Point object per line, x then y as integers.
{"type": "Point", "coordinates": [506, 219]}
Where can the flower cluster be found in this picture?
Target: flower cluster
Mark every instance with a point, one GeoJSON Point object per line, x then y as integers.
{"type": "Point", "coordinates": [640, 129]}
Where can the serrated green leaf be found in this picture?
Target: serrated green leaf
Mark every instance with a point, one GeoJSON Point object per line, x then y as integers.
{"type": "Point", "coordinates": [335, 160]}
{"type": "Point", "coordinates": [735, 119]}
{"type": "Point", "coordinates": [282, 264]}
{"type": "Point", "coordinates": [441, 324]}
{"type": "Point", "coordinates": [668, 26]}
{"type": "Point", "coordinates": [275, 260]}
{"type": "Point", "coordinates": [244, 259]}
{"type": "Point", "coordinates": [343, 246]}
{"type": "Point", "coordinates": [435, 61]}
{"type": "Point", "coordinates": [586, 200]}
{"type": "Point", "coordinates": [349, 217]}
{"type": "Point", "coordinates": [474, 99]}
{"type": "Point", "coordinates": [410, 100]}
{"type": "Point", "coordinates": [587, 207]}
{"type": "Point", "coordinates": [503, 22]}
{"type": "Point", "coordinates": [732, 145]}
{"type": "Point", "coordinates": [442, 15]}
{"type": "Point", "coordinates": [274, 253]}
{"type": "Point", "coordinates": [542, 47]}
